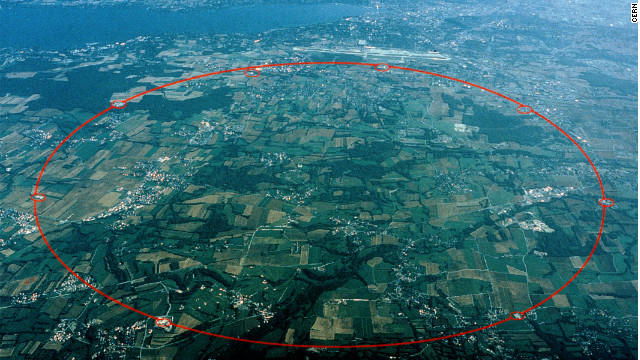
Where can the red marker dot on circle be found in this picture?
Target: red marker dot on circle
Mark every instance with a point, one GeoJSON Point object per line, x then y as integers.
{"type": "Point", "coordinates": [606, 202]}
{"type": "Point", "coordinates": [516, 315]}
{"type": "Point", "coordinates": [163, 322]}
{"type": "Point", "coordinates": [382, 67]}
{"type": "Point", "coordinates": [119, 104]}
{"type": "Point", "coordinates": [38, 197]}
{"type": "Point", "coordinates": [252, 73]}
{"type": "Point", "coordinates": [524, 109]}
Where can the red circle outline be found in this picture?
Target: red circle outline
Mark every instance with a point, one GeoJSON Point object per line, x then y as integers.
{"type": "Point", "coordinates": [512, 316]}
{"type": "Point", "coordinates": [252, 76]}
{"type": "Point", "coordinates": [606, 199]}
{"type": "Point", "coordinates": [44, 197]}
{"type": "Point", "coordinates": [529, 111]}
{"type": "Point", "coordinates": [506, 319]}
{"type": "Point", "coordinates": [113, 104]}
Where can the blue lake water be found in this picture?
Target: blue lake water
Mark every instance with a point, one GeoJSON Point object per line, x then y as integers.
{"type": "Point", "coordinates": [62, 27]}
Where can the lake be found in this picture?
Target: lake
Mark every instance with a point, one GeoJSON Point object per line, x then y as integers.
{"type": "Point", "coordinates": [64, 27]}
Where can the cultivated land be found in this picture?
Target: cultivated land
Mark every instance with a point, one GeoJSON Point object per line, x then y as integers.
{"type": "Point", "coordinates": [326, 204]}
